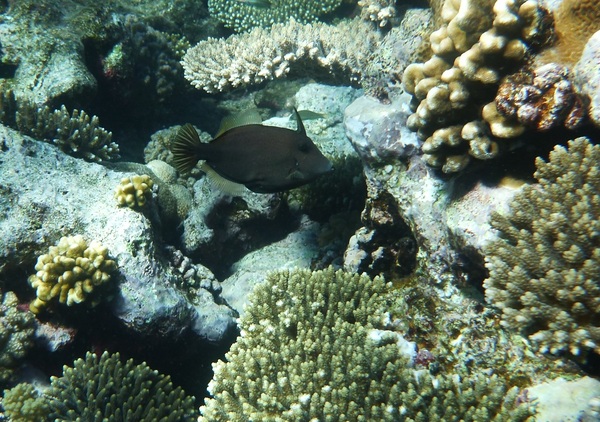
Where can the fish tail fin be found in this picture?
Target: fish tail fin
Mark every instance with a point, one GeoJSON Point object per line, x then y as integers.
{"type": "Point", "coordinates": [185, 148]}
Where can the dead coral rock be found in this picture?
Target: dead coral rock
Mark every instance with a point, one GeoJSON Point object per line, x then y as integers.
{"type": "Point", "coordinates": [542, 99]}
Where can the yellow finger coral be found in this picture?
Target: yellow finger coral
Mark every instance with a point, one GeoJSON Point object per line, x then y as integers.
{"type": "Point", "coordinates": [72, 271]}
{"type": "Point", "coordinates": [134, 191]}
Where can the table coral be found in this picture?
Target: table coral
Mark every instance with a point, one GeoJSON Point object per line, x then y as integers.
{"type": "Point", "coordinates": [72, 272]}
{"type": "Point", "coordinates": [245, 15]}
{"type": "Point", "coordinates": [134, 191]}
{"type": "Point", "coordinates": [544, 270]}
{"type": "Point", "coordinates": [16, 335]}
{"type": "Point", "coordinates": [333, 51]}
{"type": "Point", "coordinates": [104, 388]}
{"type": "Point", "coordinates": [311, 348]}
{"type": "Point", "coordinates": [478, 41]}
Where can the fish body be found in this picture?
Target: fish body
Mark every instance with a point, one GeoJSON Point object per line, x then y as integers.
{"type": "Point", "coordinates": [261, 4]}
{"type": "Point", "coordinates": [265, 159]}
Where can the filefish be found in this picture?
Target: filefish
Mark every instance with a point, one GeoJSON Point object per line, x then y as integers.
{"type": "Point", "coordinates": [264, 159]}
{"type": "Point", "coordinates": [262, 4]}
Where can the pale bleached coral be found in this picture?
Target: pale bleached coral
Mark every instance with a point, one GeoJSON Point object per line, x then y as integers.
{"type": "Point", "coordinates": [134, 191]}
{"type": "Point", "coordinates": [16, 335]}
{"type": "Point", "coordinates": [312, 347]}
{"type": "Point", "coordinates": [545, 266]}
{"type": "Point", "coordinates": [335, 51]}
{"type": "Point", "coordinates": [380, 11]}
{"type": "Point", "coordinates": [71, 272]}
{"type": "Point", "coordinates": [245, 15]}
{"type": "Point", "coordinates": [478, 41]}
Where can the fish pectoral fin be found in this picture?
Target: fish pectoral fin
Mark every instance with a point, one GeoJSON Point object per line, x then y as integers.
{"type": "Point", "coordinates": [223, 184]}
{"type": "Point", "coordinates": [244, 118]}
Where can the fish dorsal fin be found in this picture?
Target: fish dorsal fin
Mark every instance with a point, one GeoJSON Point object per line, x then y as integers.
{"type": "Point", "coordinates": [223, 184]}
{"type": "Point", "coordinates": [300, 128]}
{"type": "Point", "coordinates": [243, 118]}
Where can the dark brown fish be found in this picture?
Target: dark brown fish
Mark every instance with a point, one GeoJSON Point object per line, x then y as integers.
{"type": "Point", "coordinates": [265, 159]}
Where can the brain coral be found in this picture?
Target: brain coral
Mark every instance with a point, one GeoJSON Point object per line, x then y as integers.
{"type": "Point", "coordinates": [309, 350]}
{"type": "Point", "coordinates": [72, 271]}
{"type": "Point", "coordinates": [545, 266]}
{"type": "Point", "coordinates": [243, 15]}
{"type": "Point", "coordinates": [105, 389]}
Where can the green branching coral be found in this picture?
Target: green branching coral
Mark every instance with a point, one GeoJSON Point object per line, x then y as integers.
{"type": "Point", "coordinates": [545, 266]}
{"type": "Point", "coordinates": [339, 52]}
{"type": "Point", "coordinates": [244, 15]}
{"type": "Point", "coordinates": [16, 335]}
{"type": "Point", "coordinates": [73, 271]}
{"type": "Point", "coordinates": [134, 191]}
{"type": "Point", "coordinates": [105, 389]}
{"type": "Point", "coordinates": [311, 349]}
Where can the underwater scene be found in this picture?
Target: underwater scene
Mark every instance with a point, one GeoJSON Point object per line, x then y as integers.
{"type": "Point", "coordinates": [296, 210]}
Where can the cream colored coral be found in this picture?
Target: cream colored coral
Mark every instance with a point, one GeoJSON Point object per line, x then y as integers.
{"type": "Point", "coordinates": [71, 272]}
{"type": "Point", "coordinates": [544, 270]}
{"type": "Point", "coordinates": [342, 51]}
{"type": "Point", "coordinates": [380, 11]}
{"type": "Point", "coordinates": [134, 191]}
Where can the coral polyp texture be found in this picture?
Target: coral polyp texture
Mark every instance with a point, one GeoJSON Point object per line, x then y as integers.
{"type": "Point", "coordinates": [106, 389]}
{"type": "Point", "coordinates": [310, 349]}
{"type": "Point", "coordinates": [24, 403]}
{"type": "Point", "coordinates": [544, 269]}
{"type": "Point", "coordinates": [477, 43]}
{"type": "Point", "coordinates": [332, 51]}
{"type": "Point", "coordinates": [16, 335]}
{"type": "Point", "coordinates": [542, 99]}
{"type": "Point", "coordinates": [575, 22]}
{"type": "Point", "coordinates": [72, 272]}
{"type": "Point", "coordinates": [245, 15]}
{"type": "Point", "coordinates": [134, 191]}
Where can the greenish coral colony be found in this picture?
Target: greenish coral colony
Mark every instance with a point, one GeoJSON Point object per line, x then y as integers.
{"type": "Point", "coordinates": [105, 389]}
{"type": "Point", "coordinates": [23, 403]}
{"type": "Point", "coordinates": [339, 51]}
{"type": "Point", "coordinates": [16, 335]}
{"type": "Point", "coordinates": [244, 15]}
{"type": "Point", "coordinates": [73, 271]}
{"type": "Point", "coordinates": [310, 349]}
{"type": "Point", "coordinates": [134, 191]}
{"type": "Point", "coordinates": [545, 267]}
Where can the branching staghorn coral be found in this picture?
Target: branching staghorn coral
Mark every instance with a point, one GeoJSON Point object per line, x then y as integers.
{"type": "Point", "coordinates": [245, 15]}
{"type": "Point", "coordinates": [16, 335]}
{"type": "Point", "coordinates": [340, 51]}
{"type": "Point", "coordinates": [72, 272]}
{"type": "Point", "coordinates": [545, 266]}
{"type": "Point", "coordinates": [311, 349]}
{"type": "Point", "coordinates": [104, 388]}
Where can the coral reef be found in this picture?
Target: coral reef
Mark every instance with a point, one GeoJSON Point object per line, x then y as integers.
{"type": "Point", "coordinates": [312, 347]}
{"type": "Point", "coordinates": [244, 15]}
{"type": "Point", "coordinates": [380, 11]}
{"type": "Point", "coordinates": [340, 52]}
{"type": "Point", "coordinates": [16, 335]}
{"type": "Point", "coordinates": [134, 191]}
{"type": "Point", "coordinates": [478, 41]}
{"type": "Point", "coordinates": [587, 78]}
{"type": "Point", "coordinates": [104, 388]}
{"type": "Point", "coordinates": [73, 271]}
{"type": "Point", "coordinates": [545, 267]}
{"type": "Point", "coordinates": [542, 99]}
{"type": "Point", "coordinates": [75, 133]}
{"type": "Point", "coordinates": [23, 403]}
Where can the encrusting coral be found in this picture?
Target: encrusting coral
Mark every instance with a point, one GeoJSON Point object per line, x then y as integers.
{"type": "Point", "coordinates": [544, 270]}
{"type": "Point", "coordinates": [16, 335]}
{"type": "Point", "coordinates": [73, 271]}
{"type": "Point", "coordinates": [103, 388]}
{"type": "Point", "coordinates": [134, 191]}
{"type": "Point", "coordinates": [312, 348]}
{"type": "Point", "coordinates": [478, 41]}
{"type": "Point", "coordinates": [335, 51]}
{"type": "Point", "coordinates": [242, 16]}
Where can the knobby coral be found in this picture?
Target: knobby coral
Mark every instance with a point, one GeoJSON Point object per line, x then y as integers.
{"type": "Point", "coordinates": [336, 51]}
{"type": "Point", "coordinates": [24, 403]}
{"type": "Point", "coordinates": [104, 388]}
{"type": "Point", "coordinates": [134, 191]}
{"type": "Point", "coordinates": [245, 15]}
{"type": "Point", "coordinates": [544, 269]}
{"type": "Point", "coordinates": [73, 271]}
{"type": "Point", "coordinates": [310, 350]}
{"type": "Point", "coordinates": [16, 335]}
